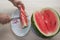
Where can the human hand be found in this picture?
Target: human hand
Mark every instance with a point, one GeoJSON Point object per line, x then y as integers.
{"type": "Point", "coordinates": [4, 18]}
{"type": "Point", "coordinates": [17, 3]}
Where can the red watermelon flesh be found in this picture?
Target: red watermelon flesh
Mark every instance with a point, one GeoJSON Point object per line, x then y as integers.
{"type": "Point", "coordinates": [23, 17]}
{"type": "Point", "coordinates": [46, 21]}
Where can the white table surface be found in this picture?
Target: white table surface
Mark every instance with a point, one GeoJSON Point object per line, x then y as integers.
{"type": "Point", "coordinates": [7, 7]}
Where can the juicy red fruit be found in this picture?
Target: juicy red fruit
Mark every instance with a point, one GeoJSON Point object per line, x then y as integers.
{"type": "Point", "coordinates": [23, 17]}
{"type": "Point", "coordinates": [46, 21]}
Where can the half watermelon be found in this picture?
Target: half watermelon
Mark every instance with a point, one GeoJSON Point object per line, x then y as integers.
{"type": "Point", "coordinates": [45, 22]}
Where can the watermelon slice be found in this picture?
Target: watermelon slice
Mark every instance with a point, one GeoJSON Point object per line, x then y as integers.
{"type": "Point", "coordinates": [45, 22]}
{"type": "Point", "coordinates": [23, 17]}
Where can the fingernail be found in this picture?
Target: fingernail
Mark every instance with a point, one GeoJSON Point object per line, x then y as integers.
{"type": "Point", "coordinates": [19, 5]}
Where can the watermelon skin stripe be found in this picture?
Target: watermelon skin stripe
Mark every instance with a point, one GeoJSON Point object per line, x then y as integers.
{"type": "Point", "coordinates": [38, 32]}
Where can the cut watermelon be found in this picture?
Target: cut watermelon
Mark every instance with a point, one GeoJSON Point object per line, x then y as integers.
{"type": "Point", "coordinates": [45, 22]}
{"type": "Point", "coordinates": [23, 17]}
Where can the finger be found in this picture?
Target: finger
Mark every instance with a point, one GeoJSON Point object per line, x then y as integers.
{"type": "Point", "coordinates": [21, 4]}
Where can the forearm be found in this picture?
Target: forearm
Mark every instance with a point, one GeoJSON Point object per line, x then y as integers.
{"type": "Point", "coordinates": [16, 3]}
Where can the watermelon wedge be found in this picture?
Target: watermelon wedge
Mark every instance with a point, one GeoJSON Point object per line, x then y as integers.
{"type": "Point", "coordinates": [45, 22]}
{"type": "Point", "coordinates": [23, 17]}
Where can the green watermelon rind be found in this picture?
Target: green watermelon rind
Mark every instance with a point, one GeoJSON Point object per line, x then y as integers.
{"type": "Point", "coordinates": [38, 32]}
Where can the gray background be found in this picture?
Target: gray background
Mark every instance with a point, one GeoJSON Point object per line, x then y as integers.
{"type": "Point", "coordinates": [7, 34]}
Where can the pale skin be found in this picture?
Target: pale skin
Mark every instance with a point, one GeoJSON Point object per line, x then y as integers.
{"type": "Point", "coordinates": [5, 18]}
